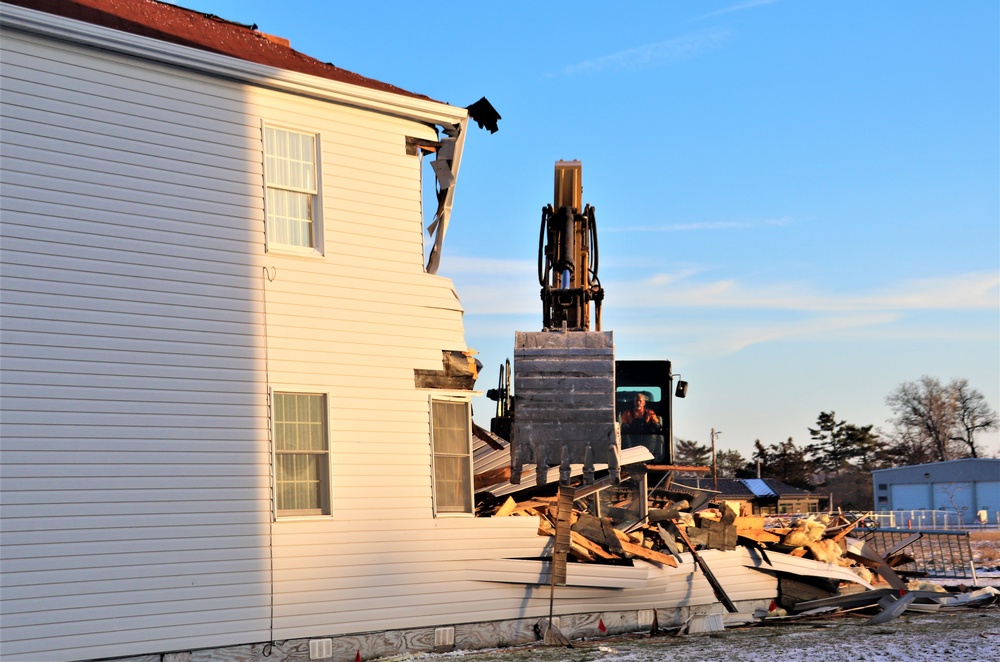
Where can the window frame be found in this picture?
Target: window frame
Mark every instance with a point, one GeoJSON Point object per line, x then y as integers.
{"type": "Point", "coordinates": [270, 244]}
{"type": "Point", "coordinates": [326, 464]}
{"type": "Point", "coordinates": [470, 505]}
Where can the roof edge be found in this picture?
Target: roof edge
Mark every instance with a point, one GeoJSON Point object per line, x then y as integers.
{"type": "Point", "coordinates": [937, 464]}
{"type": "Point", "coordinates": [147, 48]}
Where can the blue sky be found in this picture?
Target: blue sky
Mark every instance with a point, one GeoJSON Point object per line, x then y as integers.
{"type": "Point", "coordinates": [798, 202]}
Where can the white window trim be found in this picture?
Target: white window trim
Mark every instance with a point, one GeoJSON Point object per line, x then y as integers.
{"type": "Point", "coordinates": [318, 248]}
{"type": "Point", "coordinates": [463, 399]}
{"type": "Point", "coordinates": [275, 515]}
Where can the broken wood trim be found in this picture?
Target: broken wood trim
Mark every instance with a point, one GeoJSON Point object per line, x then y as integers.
{"type": "Point", "coordinates": [459, 372]}
{"type": "Point", "coordinates": [415, 146]}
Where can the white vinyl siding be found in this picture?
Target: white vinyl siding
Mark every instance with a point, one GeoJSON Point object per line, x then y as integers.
{"type": "Point", "coordinates": [302, 454]}
{"type": "Point", "coordinates": [134, 417]}
{"type": "Point", "coordinates": [144, 323]}
{"type": "Point", "coordinates": [451, 440]}
{"type": "Point", "coordinates": [291, 185]}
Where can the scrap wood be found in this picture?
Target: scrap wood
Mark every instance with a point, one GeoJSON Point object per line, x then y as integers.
{"type": "Point", "coordinates": [578, 540]}
{"type": "Point", "coordinates": [535, 503]}
{"type": "Point", "coordinates": [752, 526]}
{"type": "Point", "coordinates": [579, 551]}
{"type": "Point", "coordinates": [506, 509]}
{"type": "Point", "coordinates": [490, 478]}
{"type": "Point", "coordinates": [850, 527]}
{"type": "Point", "coordinates": [648, 554]}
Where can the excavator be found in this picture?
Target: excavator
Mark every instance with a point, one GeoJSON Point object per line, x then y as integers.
{"type": "Point", "coordinates": [570, 400]}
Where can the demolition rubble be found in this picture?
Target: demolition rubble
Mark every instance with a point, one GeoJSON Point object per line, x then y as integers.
{"type": "Point", "coordinates": [612, 524]}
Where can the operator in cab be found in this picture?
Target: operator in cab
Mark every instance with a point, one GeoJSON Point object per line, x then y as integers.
{"type": "Point", "coordinates": [639, 419]}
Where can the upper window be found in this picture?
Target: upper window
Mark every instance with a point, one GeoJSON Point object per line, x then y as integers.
{"type": "Point", "coordinates": [451, 440]}
{"type": "Point", "coordinates": [290, 176]}
{"type": "Point", "coordinates": [301, 454]}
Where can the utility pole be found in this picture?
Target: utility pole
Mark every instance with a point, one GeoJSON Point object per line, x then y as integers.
{"type": "Point", "coordinates": [715, 465]}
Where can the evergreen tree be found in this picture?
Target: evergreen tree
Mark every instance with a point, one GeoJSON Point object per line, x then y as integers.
{"type": "Point", "coordinates": [731, 464]}
{"type": "Point", "coordinates": [841, 446]}
{"type": "Point", "coordinates": [692, 454]}
{"type": "Point", "coordinates": [785, 462]}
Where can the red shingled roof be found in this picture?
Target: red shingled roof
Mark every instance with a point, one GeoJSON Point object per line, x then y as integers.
{"type": "Point", "coordinates": [159, 20]}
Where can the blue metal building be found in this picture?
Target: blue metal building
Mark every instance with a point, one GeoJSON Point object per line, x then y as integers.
{"type": "Point", "coordinates": [962, 486]}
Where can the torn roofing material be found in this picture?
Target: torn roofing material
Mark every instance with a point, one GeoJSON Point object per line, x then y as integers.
{"type": "Point", "coordinates": [177, 25]}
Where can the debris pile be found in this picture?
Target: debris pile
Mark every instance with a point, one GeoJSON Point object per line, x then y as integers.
{"type": "Point", "coordinates": [621, 526]}
{"type": "Point", "coordinates": [664, 533]}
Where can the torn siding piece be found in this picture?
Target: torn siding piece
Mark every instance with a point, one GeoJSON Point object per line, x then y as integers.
{"type": "Point", "coordinates": [450, 158]}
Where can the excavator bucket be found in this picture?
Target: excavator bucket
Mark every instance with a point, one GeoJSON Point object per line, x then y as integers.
{"type": "Point", "coordinates": [564, 383]}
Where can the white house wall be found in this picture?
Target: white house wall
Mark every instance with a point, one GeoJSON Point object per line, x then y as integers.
{"type": "Point", "coordinates": [135, 480]}
{"type": "Point", "coordinates": [136, 358]}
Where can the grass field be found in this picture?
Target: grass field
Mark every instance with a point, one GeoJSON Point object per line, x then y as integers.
{"type": "Point", "coordinates": [985, 549]}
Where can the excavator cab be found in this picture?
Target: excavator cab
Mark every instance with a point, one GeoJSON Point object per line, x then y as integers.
{"type": "Point", "coordinates": [652, 382]}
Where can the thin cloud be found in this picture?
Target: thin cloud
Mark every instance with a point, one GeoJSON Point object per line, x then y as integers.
{"type": "Point", "coordinates": [973, 291]}
{"type": "Point", "coordinates": [710, 225]}
{"type": "Point", "coordinates": [489, 266]}
{"type": "Point", "coordinates": [652, 55]}
{"type": "Point", "coordinates": [750, 4]}
{"type": "Point", "coordinates": [734, 340]}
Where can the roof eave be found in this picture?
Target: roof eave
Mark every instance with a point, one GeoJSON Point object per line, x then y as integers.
{"type": "Point", "coordinates": [224, 66]}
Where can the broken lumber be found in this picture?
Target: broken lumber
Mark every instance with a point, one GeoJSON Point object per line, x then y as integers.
{"type": "Point", "coordinates": [716, 586]}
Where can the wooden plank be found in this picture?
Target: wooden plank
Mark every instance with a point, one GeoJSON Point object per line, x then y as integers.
{"type": "Point", "coordinates": [592, 547]}
{"type": "Point", "coordinates": [506, 509]}
{"type": "Point", "coordinates": [647, 554]}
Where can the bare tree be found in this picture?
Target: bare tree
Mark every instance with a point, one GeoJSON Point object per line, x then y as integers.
{"type": "Point", "coordinates": [972, 415]}
{"type": "Point", "coordinates": [936, 422]}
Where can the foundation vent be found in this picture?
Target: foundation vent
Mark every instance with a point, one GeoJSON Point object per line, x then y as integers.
{"type": "Point", "coordinates": [320, 649]}
{"type": "Point", "coordinates": [646, 618]}
{"type": "Point", "coordinates": [444, 638]}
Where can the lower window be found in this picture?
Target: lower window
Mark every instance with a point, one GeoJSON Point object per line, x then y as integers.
{"type": "Point", "coordinates": [301, 455]}
{"type": "Point", "coordinates": [451, 440]}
